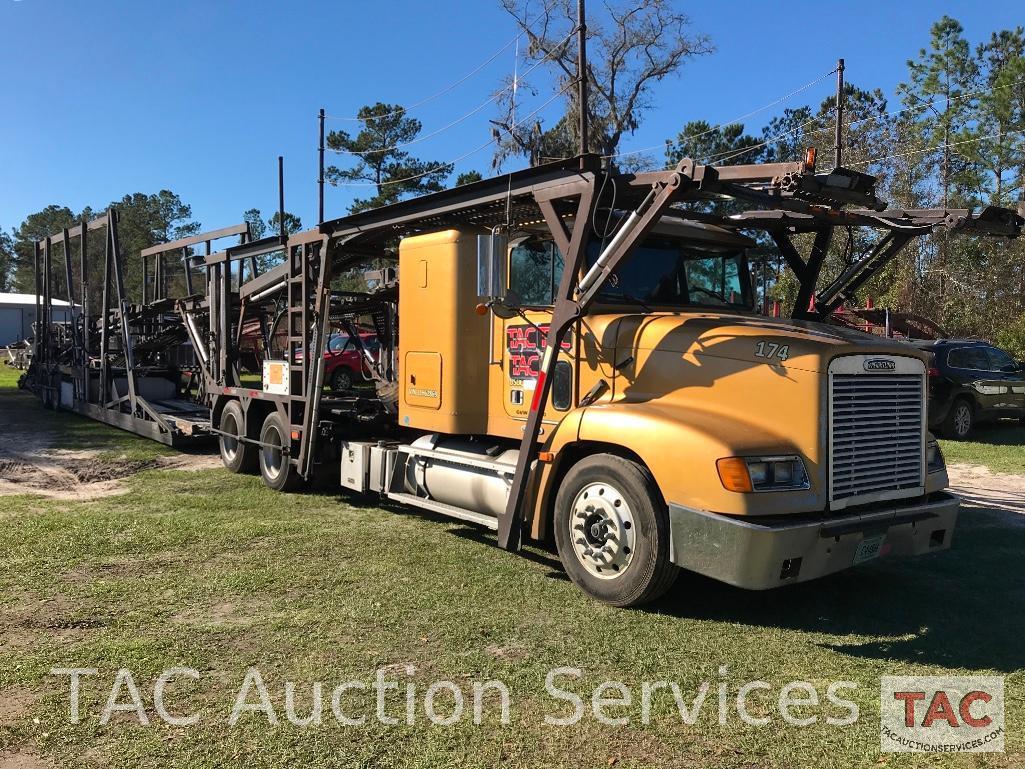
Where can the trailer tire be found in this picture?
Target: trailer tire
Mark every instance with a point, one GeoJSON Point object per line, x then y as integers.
{"type": "Point", "coordinates": [612, 531]}
{"type": "Point", "coordinates": [237, 456]}
{"type": "Point", "coordinates": [276, 467]}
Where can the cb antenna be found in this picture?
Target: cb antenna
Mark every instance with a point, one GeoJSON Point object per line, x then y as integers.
{"type": "Point", "coordinates": [281, 198]}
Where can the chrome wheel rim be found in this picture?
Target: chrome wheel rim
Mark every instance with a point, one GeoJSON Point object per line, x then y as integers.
{"type": "Point", "coordinates": [271, 453]}
{"type": "Point", "coordinates": [602, 530]}
{"type": "Point", "coordinates": [962, 419]}
{"type": "Point", "coordinates": [229, 437]}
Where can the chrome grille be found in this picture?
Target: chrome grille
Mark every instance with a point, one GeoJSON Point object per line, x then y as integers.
{"type": "Point", "coordinates": [877, 432]}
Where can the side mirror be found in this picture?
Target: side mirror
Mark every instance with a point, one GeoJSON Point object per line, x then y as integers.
{"type": "Point", "coordinates": [491, 255]}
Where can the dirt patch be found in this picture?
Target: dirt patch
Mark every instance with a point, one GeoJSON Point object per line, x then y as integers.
{"type": "Point", "coordinates": [15, 704]}
{"type": "Point", "coordinates": [61, 477]}
{"type": "Point", "coordinates": [981, 487]}
{"type": "Point", "coordinates": [507, 653]}
{"type": "Point", "coordinates": [123, 567]}
{"type": "Point", "coordinates": [23, 761]}
{"type": "Point", "coordinates": [189, 462]}
{"type": "Point", "coordinates": [226, 614]}
{"type": "Point", "coordinates": [80, 474]}
{"type": "Point", "coordinates": [57, 617]}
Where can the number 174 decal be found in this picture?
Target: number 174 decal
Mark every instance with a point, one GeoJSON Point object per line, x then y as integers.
{"type": "Point", "coordinates": [772, 350]}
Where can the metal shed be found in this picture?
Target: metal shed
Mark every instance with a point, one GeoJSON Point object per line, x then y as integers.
{"type": "Point", "coordinates": [18, 313]}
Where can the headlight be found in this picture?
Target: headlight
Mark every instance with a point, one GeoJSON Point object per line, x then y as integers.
{"type": "Point", "coordinates": [934, 457]}
{"type": "Point", "coordinates": [743, 474]}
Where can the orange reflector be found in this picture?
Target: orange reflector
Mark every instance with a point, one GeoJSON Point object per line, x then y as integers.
{"type": "Point", "coordinates": [545, 456]}
{"type": "Point", "coordinates": [809, 159]}
{"type": "Point", "coordinates": [733, 474]}
{"type": "Point", "coordinates": [481, 309]}
{"type": "Point", "coordinates": [295, 435]}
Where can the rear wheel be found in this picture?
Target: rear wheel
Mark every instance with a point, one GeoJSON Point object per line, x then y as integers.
{"type": "Point", "coordinates": [237, 455]}
{"type": "Point", "coordinates": [612, 531]}
{"type": "Point", "coordinates": [959, 422]}
{"type": "Point", "coordinates": [277, 471]}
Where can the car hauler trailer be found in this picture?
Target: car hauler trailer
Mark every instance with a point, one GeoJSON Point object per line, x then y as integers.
{"type": "Point", "coordinates": [129, 364]}
{"type": "Point", "coordinates": [570, 354]}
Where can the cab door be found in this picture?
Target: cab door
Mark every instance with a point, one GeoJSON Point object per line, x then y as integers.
{"type": "Point", "coordinates": [535, 269]}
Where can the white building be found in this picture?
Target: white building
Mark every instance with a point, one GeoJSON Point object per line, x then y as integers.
{"type": "Point", "coordinates": [18, 313]}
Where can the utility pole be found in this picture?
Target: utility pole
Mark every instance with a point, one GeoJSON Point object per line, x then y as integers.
{"type": "Point", "coordinates": [320, 177]}
{"type": "Point", "coordinates": [946, 150]}
{"type": "Point", "coordinates": [839, 113]}
{"type": "Point", "coordinates": [582, 75]}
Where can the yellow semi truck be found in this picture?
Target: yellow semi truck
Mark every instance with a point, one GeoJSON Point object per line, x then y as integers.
{"type": "Point", "coordinates": [572, 355]}
{"type": "Point", "coordinates": [569, 355]}
{"type": "Point", "coordinates": [683, 429]}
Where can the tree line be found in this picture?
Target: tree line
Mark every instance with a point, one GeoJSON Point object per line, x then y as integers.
{"type": "Point", "coordinates": [954, 138]}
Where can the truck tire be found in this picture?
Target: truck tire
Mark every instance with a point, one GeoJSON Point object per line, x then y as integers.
{"type": "Point", "coordinates": [612, 531]}
{"type": "Point", "coordinates": [237, 456]}
{"type": "Point", "coordinates": [276, 468]}
{"type": "Point", "coordinates": [960, 420]}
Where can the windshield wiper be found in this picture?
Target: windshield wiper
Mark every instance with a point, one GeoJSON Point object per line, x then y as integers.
{"type": "Point", "coordinates": [711, 293]}
{"type": "Point", "coordinates": [631, 299]}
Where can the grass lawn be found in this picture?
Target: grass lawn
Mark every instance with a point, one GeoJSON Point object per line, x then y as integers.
{"type": "Point", "coordinates": [212, 571]}
{"type": "Point", "coordinates": [999, 447]}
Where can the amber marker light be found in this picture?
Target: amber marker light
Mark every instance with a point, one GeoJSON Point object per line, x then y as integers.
{"type": "Point", "coordinates": [733, 474]}
{"type": "Point", "coordinates": [481, 309]}
{"type": "Point", "coordinates": [809, 159]}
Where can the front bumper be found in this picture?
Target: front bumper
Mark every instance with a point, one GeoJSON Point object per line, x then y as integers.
{"type": "Point", "coordinates": [758, 555]}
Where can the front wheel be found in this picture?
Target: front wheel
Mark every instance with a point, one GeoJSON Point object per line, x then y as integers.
{"type": "Point", "coordinates": [612, 531]}
{"type": "Point", "coordinates": [275, 465]}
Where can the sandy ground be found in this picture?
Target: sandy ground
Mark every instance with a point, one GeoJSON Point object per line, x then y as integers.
{"type": "Point", "coordinates": [30, 463]}
{"type": "Point", "coordinates": [981, 487]}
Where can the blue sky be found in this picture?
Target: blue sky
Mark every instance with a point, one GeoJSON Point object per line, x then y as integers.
{"type": "Point", "coordinates": [110, 97]}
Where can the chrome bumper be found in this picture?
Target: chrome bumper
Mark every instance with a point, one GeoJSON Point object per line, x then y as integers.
{"type": "Point", "coordinates": [758, 555]}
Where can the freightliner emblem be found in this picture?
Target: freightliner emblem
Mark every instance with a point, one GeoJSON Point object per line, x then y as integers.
{"type": "Point", "coordinates": [880, 364]}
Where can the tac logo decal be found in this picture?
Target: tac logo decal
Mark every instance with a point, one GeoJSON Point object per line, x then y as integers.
{"type": "Point", "coordinates": [526, 346]}
{"type": "Point", "coordinates": [941, 714]}
{"type": "Point", "coordinates": [880, 364]}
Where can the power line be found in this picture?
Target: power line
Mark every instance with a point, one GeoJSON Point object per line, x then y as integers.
{"type": "Point", "coordinates": [937, 148]}
{"type": "Point", "coordinates": [924, 104]}
{"type": "Point", "coordinates": [715, 128]}
{"type": "Point", "coordinates": [452, 124]}
{"type": "Point", "coordinates": [730, 154]}
{"type": "Point", "coordinates": [465, 155]}
{"type": "Point", "coordinates": [434, 96]}
{"type": "Point", "coordinates": [736, 153]}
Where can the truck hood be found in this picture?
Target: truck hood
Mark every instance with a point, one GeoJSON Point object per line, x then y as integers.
{"type": "Point", "coordinates": [790, 344]}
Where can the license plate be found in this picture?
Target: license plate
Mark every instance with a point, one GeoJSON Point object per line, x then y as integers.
{"type": "Point", "coordinates": [869, 548]}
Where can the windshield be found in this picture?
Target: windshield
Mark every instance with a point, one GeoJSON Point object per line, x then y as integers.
{"type": "Point", "coordinates": [671, 272]}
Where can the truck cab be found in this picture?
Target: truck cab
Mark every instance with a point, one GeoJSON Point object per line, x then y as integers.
{"type": "Point", "coordinates": [758, 451]}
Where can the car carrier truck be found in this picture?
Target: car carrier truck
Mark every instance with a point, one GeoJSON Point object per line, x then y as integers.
{"type": "Point", "coordinates": [569, 354]}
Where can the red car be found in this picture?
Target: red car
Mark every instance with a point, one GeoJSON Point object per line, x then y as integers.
{"type": "Point", "coordinates": [344, 364]}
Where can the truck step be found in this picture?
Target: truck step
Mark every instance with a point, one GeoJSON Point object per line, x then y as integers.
{"type": "Point", "coordinates": [448, 510]}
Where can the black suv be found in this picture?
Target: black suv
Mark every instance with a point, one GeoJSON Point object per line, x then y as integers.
{"type": "Point", "coordinates": [972, 382]}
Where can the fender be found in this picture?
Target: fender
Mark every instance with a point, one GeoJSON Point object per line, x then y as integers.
{"type": "Point", "coordinates": [680, 446]}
